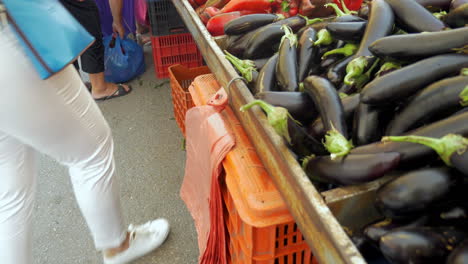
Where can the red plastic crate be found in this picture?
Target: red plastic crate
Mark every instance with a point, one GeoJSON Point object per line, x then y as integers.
{"type": "Point", "coordinates": [261, 229]}
{"type": "Point", "coordinates": [174, 49]}
{"type": "Point", "coordinates": [181, 78]}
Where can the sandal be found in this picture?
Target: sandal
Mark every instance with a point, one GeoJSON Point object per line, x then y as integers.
{"type": "Point", "coordinates": [119, 92]}
{"type": "Point", "coordinates": [143, 239]}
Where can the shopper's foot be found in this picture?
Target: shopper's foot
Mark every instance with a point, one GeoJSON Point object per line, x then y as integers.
{"type": "Point", "coordinates": [141, 240]}
{"type": "Point", "coordinates": [112, 90]}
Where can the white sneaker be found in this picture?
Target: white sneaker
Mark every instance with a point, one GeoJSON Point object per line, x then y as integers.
{"type": "Point", "coordinates": [143, 239]}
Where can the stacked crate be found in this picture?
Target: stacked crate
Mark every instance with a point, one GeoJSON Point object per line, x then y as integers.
{"type": "Point", "coordinates": [171, 42]}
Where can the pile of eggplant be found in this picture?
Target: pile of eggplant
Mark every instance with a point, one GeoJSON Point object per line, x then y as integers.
{"type": "Point", "coordinates": [361, 95]}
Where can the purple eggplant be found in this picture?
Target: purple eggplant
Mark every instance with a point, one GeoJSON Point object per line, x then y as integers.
{"type": "Point", "coordinates": [380, 24]}
{"type": "Point", "coordinates": [410, 46]}
{"type": "Point", "coordinates": [260, 43]}
{"type": "Point", "coordinates": [298, 104]}
{"type": "Point", "coordinates": [457, 17]}
{"type": "Point", "coordinates": [451, 148]}
{"type": "Point", "coordinates": [454, 4]}
{"type": "Point", "coordinates": [419, 245]}
{"type": "Point", "coordinates": [366, 125]}
{"type": "Point", "coordinates": [348, 31]}
{"type": "Point", "coordinates": [350, 103]}
{"type": "Point", "coordinates": [307, 53]}
{"type": "Point", "coordinates": [336, 73]}
{"type": "Point", "coordinates": [434, 3]}
{"type": "Point", "coordinates": [248, 23]}
{"type": "Point", "coordinates": [440, 97]}
{"type": "Point", "coordinates": [410, 152]}
{"type": "Point", "coordinates": [351, 169]}
{"type": "Point", "coordinates": [414, 192]}
{"type": "Point", "coordinates": [330, 108]}
{"type": "Point", "coordinates": [286, 67]}
{"type": "Point", "coordinates": [408, 80]}
{"type": "Point", "coordinates": [295, 135]}
{"type": "Point", "coordinates": [375, 231]}
{"type": "Point", "coordinates": [412, 17]}
{"type": "Point", "coordinates": [266, 80]}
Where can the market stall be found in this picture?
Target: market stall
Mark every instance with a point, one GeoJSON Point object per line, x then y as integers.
{"type": "Point", "coordinates": [323, 216]}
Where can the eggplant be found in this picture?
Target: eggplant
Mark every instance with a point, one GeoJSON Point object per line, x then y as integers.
{"type": "Point", "coordinates": [366, 125]}
{"type": "Point", "coordinates": [330, 108]}
{"type": "Point", "coordinates": [380, 24]}
{"type": "Point", "coordinates": [307, 53]}
{"type": "Point", "coordinates": [260, 43]}
{"type": "Point", "coordinates": [266, 80]}
{"type": "Point", "coordinates": [408, 80]}
{"type": "Point", "coordinates": [237, 44]}
{"type": "Point", "coordinates": [248, 23]}
{"type": "Point", "coordinates": [286, 67]}
{"type": "Point", "coordinates": [347, 89]}
{"type": "Point", "coordinates": [330, 60]}
{"type": "Point", "coordinates": [344, 15]}
{"type": "Point", "coordinates": [434, 3]}
{"type": "Point", "coordinates": [259, 63]}
{"type": "Point", "coordinates": [297, 138]}
{"type": "Point", "coordinates": [245, 67]}
{"type": "Point", "coordinates": [299, 105]}
{"type": "Point", "coordinates": [439, 97]}
{"type": "Point", "coordinates": [451, 148]}
{"type": "Point", "coordinates": [414, 192]}
{"type": "Point", "coordinates": [459, 255]}
{"type": "Point", "coordinates": [350, 103]}
{"type": "Point", "coordinates": [454, 4]}
{"type": "Point", "coordinates": [387, 68]}
{"type": "Point", "coordinates": [375, 231]}
{"type": "Point", "coordinates": [457, 17]}
{"type": "Point", "coordinates": [348, 31]}
{"type": "Point", "coordinates": [411, 46]}
{"type": "Point", "coordinates": [351, 169]}
{"type": "Point", "coordinates": [418, 245]}
{"type": "Point", "coordinates": [413, 17]}
{"type": "Point", "coordinates": [336, 73]}
{"type": "Point", "coordinates": [297, 22]}
{"type": "Point", "coordinates": [411, 153]}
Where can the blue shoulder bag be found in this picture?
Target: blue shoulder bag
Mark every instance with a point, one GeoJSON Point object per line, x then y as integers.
{"type": "Point", "coordinates": [51, 36]}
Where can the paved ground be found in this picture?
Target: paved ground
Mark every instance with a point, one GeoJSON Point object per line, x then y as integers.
{"type": "Point", "coordinates": [150, 164]}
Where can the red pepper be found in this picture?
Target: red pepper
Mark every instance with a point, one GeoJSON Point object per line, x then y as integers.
{"type": "Point", "coordinates": [216, 24]}
{"type": "Point", "coordinates": [352, 5]}
{"type": "Point", "coordinates": [206, 13]}
{"type": "Point", "coordinates": [259, 6]}
{"type": "Point", "coordinates": [200, 2]}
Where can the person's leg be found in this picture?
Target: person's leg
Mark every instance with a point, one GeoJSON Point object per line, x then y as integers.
{"type": "Point", "coordinates": [92, 61]}
{"type": "Point", "coordinates": [58, 117]}
{"type": "Point", "coordinates": [17, 191]}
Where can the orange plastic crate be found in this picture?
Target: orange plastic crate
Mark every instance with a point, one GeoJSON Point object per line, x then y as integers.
{"type": "Point", "coordinates": [261, 229]}
{"type": "Point", "coordinates": [181, 77]}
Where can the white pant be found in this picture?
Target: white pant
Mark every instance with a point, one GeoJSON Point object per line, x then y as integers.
{"type": "Point", "coordinates": [59, 118]}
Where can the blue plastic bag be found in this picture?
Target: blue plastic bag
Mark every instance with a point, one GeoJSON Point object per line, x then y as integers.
{"type": "Point", "coordinates": [123, 59]}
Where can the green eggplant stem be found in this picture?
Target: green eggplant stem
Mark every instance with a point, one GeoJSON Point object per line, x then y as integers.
{"type": "Point", "coordinates": [464, 72]}
{"type": "Point", "coordinates": [440, 15]}
{"type": "Point", "coordinates": [445, 146]}
{"type": "Point", "coordinates": [280, 16]}
{"type": "Point", "coordinates": [343, 95]}
{"type": "Point", "coordinates": [355, 68]}
{"type": "Point", "coordinates": [337, 144]}
{"type": "Point", "coordinates": [362, 80]}
{"type": "Point", "coordinates": [347, 50]}
{"type": "Point", "coordinates": [311, 21]}
{"type": "Point", "coordinates": [245, 67]}
{"type": "Point", "coordinates": [389, 65]}
{"type": "Point", "coordinates": [337, 9]}
{"type": "Point", "coordinates": [277, 117]}
{"type": "Point", "coordinates": [323, 38]}
{"type": "Point", "coordinates": [289, 34]}
{"type": "Point", "coordinates": [462, 50]}
{"type": "Point", "coordinates": [346, 10]}
{"type": "Point", "coordinates": [301, 87]}
{"type": "Point", "coordinates": [464, 96]}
